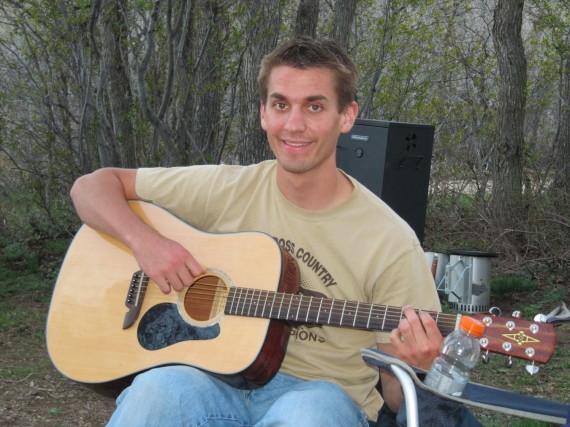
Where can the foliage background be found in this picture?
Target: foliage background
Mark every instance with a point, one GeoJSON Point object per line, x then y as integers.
{"type": "Point", "coordinates": [92, 83]}
{"type": "Point", "coordinates": [87, 84]}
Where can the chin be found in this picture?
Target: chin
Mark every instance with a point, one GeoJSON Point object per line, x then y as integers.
{"type": "Point", "coordinates": [296, 169]}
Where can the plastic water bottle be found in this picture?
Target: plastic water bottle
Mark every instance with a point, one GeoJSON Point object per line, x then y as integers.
{"type": "Point", "coordinates": [460, 352]}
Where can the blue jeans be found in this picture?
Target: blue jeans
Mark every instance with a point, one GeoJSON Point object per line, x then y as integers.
{"type": "Point", "coordinates": [184, 396]}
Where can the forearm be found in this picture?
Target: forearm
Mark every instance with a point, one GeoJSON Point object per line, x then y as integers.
{"type": "Point", "coordinates": [391, 391]}
{"type": "Point", "coordinates": [416, 341]}
{"type": "Point", "coordinates": [101, 200]}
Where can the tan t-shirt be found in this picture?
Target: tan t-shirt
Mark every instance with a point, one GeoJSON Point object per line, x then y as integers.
{"type": "Point", "coordinates": [358, 251]}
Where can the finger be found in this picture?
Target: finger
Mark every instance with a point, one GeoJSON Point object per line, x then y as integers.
{"type": "Point", "coordinates": [175, 283]}
{"type": "Point", "coordinates": [163, 284]}
{"type": "Point", "coordinates": [429, 324]}
{"type": "Point", "coordinates": [397, 338]}
{"type": "Point", "coordinates": [194, 267]}
{"type": "Point", "coordinates": [185, 276]}
{"type": "Point", "coordinates": [408, 322]}
{"type": "Point", "coordinates": [433, 335]}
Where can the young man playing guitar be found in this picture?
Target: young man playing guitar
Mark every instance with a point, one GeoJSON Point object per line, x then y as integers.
{"type": "Point", "coordinates": [349, 245]}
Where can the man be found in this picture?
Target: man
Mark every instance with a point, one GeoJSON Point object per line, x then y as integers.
{"type": "Point", "coordinates": [348, 243]}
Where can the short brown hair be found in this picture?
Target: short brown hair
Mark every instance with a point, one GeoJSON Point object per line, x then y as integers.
{"type": "Point", "coordinates": [306, 52]}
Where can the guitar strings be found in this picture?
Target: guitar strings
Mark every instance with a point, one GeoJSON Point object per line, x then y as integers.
{"type": "Point", "coordinates": [250, 301]}
{"type": "Point", "coordinates": [302, 308]}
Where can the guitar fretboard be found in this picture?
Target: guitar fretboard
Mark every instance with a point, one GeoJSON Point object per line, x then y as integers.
{"type": "Point", "coordinates": [323, 311]}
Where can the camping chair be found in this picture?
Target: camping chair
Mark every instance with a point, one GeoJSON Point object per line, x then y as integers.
{"type": "Point", "coordinates": [426, 406]}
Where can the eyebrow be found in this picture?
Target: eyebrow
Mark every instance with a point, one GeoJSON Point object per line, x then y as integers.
{"type": "Point", "coordinates": [312, 98]}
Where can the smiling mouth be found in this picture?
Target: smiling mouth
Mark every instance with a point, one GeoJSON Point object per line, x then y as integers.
{"type": "Point", "coordinates": [296, 144]}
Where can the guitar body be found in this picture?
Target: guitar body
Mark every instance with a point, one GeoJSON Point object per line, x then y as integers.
{"type": "Point", "coordinates": [86, 338]}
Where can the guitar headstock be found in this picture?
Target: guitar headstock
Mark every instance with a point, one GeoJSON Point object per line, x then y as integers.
{"type": "Point", "coordinates": [518, 338]}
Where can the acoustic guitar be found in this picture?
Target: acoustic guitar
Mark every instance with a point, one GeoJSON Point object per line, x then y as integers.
{"type": "Point", "coordinates": [108, 322]}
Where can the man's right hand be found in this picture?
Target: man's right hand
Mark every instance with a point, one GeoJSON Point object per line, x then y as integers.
{"type": "Point", "coordinates": [165, 261]}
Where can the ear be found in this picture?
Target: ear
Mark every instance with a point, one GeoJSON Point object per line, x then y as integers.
{"type": "Point", "coordinates": [349, 116]}
{"type": "Point", "coordinates": [263, 115]}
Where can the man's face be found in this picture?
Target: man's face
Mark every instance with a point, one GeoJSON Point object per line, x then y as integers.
{"type": "Point", "coordinates": [301, 118]}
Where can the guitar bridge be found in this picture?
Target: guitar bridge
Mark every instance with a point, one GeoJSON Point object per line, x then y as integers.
{"type": "Point", "coordinates": [135, 298]}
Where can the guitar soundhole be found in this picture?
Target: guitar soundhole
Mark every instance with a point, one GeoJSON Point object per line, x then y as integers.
{"type": "Point", "coordinates": [203, 303]}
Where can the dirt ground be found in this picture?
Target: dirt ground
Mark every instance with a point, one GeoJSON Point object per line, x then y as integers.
{"type": "Point", "coordinates": [33, 393]}
{"type": "Point", "coordinates": [49, 401]}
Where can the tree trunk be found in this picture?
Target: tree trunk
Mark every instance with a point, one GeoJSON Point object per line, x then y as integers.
{"type": "Point", "coordinates": [205, 89]}
{"type": "Point", "coordinates": [343, 16]}
{"type": "Point", "coordinates": [562, 140]}
{"type": "Point", "coordinates": [307, 18]}
{"type": "Point", "coordinates": [506, 203]}
{"type": "Point", "coordinates": [118, 129]}
{"type": "Point", "coordinates": [386, 32]}
{"type": "Point", "coordinates": [264, 19]}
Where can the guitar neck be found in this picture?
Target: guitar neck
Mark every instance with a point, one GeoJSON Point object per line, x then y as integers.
{"type": "Point", "coordinates": [323, 311]}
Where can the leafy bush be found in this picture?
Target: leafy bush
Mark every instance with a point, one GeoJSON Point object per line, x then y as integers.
{"type": "Point", "coordinates": [506, 284]}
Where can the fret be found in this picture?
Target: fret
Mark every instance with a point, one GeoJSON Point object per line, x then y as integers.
{"type": "Point", "coordinates": [272, 305]}
{"type": "Point", "coordinates": [256, 294]}
{"type": "Point", "coordinates": [342, 313]}
{"type": "Point", "coordinates": [319, 311]}
{"type": "Point", "coordinates": [245, 301]}
{"type": "Point", "coordinates": [250, 301]}
{"type": "Point", "coordinates": [236, 300]}
{"type": "Point", "coordinates": [289, 308]}
{"type": "Point", "coordinates": [264, 304]}
{"type": "Point", "coordinates": [242, 300]}
{"type": "Point", "coordinates": [299, 299]}
{"type": "Point", "coordinates": [384, 319]}
{"type": "Point", "coordinates": [355, 314]}
{"type": "Point", "coordinates": [330, 312]}
{"type": "Point", "coordinates": [280, 307]}
{"type": "Point", "coordinates": [231, 301]}
{"type": "Point", "coordinates": [309, 309]}
{"type": "Point", "coordinates": [369, 315]}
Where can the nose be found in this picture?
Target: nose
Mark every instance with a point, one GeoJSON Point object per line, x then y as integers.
{"type": "Point", "coordinates": [295, 121]}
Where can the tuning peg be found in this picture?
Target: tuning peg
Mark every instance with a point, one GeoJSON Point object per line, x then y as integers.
{"type": "Point", "coordinates": [532, 368]}
{"type": "Point", "coordinates": [509, 363]}
{"type": "Point", "coordinates": [486, 357]}
{"type": "Point", "coordinates": [495, 311]}
{"type": "Point", "coordinates": [517, 314]}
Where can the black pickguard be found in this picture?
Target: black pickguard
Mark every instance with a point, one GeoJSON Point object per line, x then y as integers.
{"type": "Point", "coordinates": [162, 326]}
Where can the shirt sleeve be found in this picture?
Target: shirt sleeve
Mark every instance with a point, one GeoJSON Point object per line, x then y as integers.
{"type": "Point", "coordinates": [407, 281]}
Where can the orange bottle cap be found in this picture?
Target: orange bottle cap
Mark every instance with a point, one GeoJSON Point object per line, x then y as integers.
{"type": "Point", "coordinates": [472, 326]}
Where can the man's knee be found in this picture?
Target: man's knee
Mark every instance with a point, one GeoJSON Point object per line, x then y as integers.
{"type": "Point", "coordinates": [162, 382]}
{"type": "Point", "coordinates": [319, 403]}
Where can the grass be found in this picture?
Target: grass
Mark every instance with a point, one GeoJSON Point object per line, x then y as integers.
{"type": "Point", "coordinates": [27, 274]}
{"type": "Point", "coordinates": [552, 382]}
{"type": "Point", "coordinates": [506, 284]}
{"type": "Point", "coordinates": [28, 270]}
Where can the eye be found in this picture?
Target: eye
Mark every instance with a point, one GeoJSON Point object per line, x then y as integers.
{"type": "Point", "coordinates": [315, 108]}
{"type": "Point", "coordinates": [280, 106]}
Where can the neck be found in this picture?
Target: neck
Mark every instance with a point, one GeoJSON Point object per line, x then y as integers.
{"type": "Point", "coordinates": [324, 311]}
{"type": "Point", "coordinates": [314, 191]}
